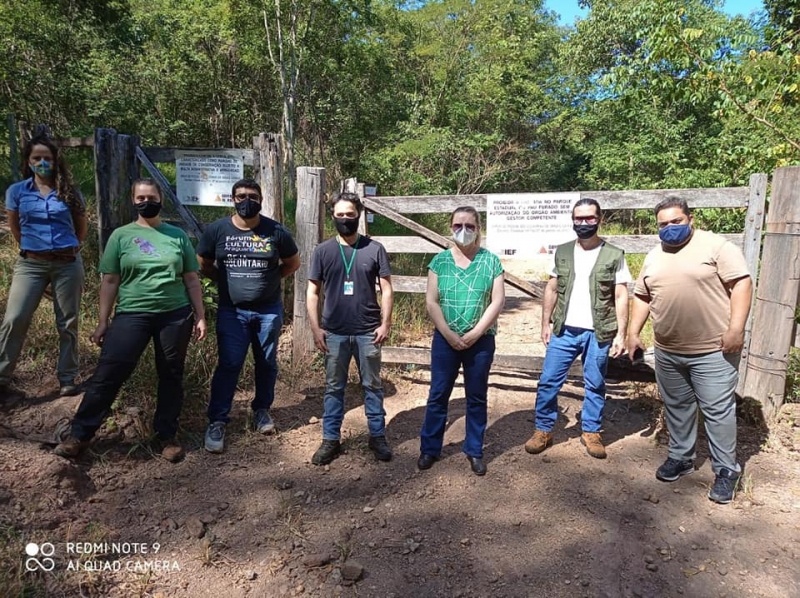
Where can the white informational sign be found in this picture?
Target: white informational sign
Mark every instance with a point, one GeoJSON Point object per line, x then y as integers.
{"type": "Point", "coordinates": [205, 178]}
{"type": "Point", "coordinates": [527, 225]}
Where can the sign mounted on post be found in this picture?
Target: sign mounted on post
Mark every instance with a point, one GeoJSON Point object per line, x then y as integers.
{"type": "Point", "coordinates": [205, 177]}
{"type": "Point", "coordinates": [526, 225]}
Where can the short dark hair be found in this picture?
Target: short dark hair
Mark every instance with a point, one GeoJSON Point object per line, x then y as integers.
{"type": "Point", "coordinates": [353, 198]}
{"type": "Point", "coordinates": [147, 182]}
{"type": "Point", "coordinates": [588, 201]}
{"type": "Point", "coordinates": [673, 201]}
{"type": "Point", "coordinates": [246, 184]}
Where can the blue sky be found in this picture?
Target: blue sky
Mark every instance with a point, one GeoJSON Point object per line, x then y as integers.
{"type": "Point", "coordinates": [568, 9]}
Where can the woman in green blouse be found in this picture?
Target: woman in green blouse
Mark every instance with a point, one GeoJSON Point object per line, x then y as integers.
{"type": "Point", "coordinates": [465, 296]}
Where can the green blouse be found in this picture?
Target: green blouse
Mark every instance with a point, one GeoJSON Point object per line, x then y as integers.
{"type": "Point", "coordinates": [465, 293]}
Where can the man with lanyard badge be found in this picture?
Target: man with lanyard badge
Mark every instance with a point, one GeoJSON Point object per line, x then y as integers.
{"type": "Point", "coordinates": [354, 324]}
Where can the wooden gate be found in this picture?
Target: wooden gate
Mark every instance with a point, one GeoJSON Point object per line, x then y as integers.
{"type": "Point", "coordinates": [311, 194]}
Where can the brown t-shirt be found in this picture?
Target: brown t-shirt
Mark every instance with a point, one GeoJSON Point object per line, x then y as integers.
{"type": "Point", "coordinates": [689, 303]}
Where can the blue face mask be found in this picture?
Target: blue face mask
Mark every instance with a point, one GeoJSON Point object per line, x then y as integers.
{"type": "Point", "coordinates": [43, 168]}
{"type": "Point", "coordinates": [675, 234]}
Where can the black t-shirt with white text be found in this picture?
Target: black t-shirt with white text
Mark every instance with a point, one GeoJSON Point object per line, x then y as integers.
{"type": "Point", "coordinates": [345, 313]}
{"type": "Point", "coordinates": [248, 261]}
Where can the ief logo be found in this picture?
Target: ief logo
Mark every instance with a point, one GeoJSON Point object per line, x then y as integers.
{"type": "Point", "coordinates": [46, 550]}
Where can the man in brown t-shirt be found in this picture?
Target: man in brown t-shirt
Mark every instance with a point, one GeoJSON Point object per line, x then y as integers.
{"type": "Point", "coordinates": [697, 287]}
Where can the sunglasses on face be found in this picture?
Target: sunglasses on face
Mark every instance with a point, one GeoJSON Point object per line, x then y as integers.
{"type": "Point", "coordinates": [457, 227]}
{"type": "Point", "coordinates": [584, 220]}
{"type": "Point", "coordinates": [243, 196]}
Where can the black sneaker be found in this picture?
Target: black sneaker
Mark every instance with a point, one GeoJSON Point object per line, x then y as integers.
{"type": "Point", "coordinates": [724, 488]}
{"type": "Point", "coordinates": [69, 390]}
{"type": "Point", "coordinates": [672, 469]}
{"type": "Point", "coordinates": [327, 452]}
{"type": "Point", "coordinates": [379, 446]}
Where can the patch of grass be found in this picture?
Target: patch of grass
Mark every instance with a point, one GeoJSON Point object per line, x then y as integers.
{"type": "Point", "coordinates": [746, 487]}
{"type": "Point", "coordinates": [288, 520]}
{"type": "Point", "coordinates": [411, 321]}
{"type": "Point", "coordinates": [14, 580]}
{"type": "Point", "coordinates": [793, 377]}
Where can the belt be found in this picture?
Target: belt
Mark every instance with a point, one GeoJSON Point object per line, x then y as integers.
{"type": "Point", "coordinates": [49, 256]}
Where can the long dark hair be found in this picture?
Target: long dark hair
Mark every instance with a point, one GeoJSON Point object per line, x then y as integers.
{"type": "Point", "coordinates": [65, 187]}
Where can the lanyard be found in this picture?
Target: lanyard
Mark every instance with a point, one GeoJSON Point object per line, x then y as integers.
{"type": "Point", "coordinates": [348, 267]}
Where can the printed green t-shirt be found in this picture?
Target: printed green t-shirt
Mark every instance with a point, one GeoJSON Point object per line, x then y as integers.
{"type": "Point", "coordinates": [151, 263]}
{"type": "Point", "coordinates": [465, 293]}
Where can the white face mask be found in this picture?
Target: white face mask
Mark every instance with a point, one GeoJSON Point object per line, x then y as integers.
{"type": "Point", "coordinates": [464, 237]}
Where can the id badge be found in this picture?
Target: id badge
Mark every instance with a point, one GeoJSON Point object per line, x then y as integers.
{"type": "Point", "coordinates": [348, 287]}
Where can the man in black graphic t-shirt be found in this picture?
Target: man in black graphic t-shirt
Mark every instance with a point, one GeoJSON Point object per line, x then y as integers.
{"type": "Point", "coordinates": [247, 254]}
{"type": "Point", "coordinates": [353, 325]}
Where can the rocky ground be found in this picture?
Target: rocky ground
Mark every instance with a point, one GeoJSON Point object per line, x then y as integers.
{"type": "Point", "coordinates": [260, 520]}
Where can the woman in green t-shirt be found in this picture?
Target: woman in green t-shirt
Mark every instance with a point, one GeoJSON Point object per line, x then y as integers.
{"type": "Point", "coordinates": [465, 296]}
{"type": "Point", "coordinates": [150, 269]}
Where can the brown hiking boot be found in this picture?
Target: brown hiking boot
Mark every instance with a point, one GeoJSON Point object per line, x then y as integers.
{"type": "Point", "coordinates": [538, 442]}
{"type": "Point", "coordinates": [71, 447]}
{"type": "Point", "coordinates": [172, 451]}
{"type": "Point", "coordinates": [594, 445]}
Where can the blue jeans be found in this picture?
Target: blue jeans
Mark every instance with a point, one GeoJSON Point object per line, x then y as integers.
{"type": "Point", "coordinates": [445, 363]}
{"type": "Point", "coordinates": [367, 354]}
{"type": "Point", "coordinates": [239, 329]}
{"type": "Point", "coordinates": [561, 353]}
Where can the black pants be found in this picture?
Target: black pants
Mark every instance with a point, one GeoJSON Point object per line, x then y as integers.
{"type": "Point", "coordinates": [125, 341]}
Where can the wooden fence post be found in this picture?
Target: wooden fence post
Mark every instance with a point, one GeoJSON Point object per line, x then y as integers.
{"type": "Point", "coordinates": [776, 299]}
{"type": "Point", "coordinates": [308, 220]}
{"type": "Point", "coordinates": [352, 185]}
{"type": "Point", "coordinates": [115, 168]}
{"type": "Point", "coordinates": [268, 162]}
{"type": "Point", "coordinates": [129, 171]}
{"type": "Point", "coordinates": [754, 222]}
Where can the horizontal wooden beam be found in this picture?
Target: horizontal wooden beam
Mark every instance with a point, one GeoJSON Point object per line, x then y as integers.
{"type": "Point", "coordinates": [167, 154]}
{"type": "Point", "coordinates": [418, 284]}
{"type": "Point", "coordinates": [420, 356]}
{"type": "Point", "coordinates": [407, 244]}
{"type": "Point", "coordinates": [75, 141]}
{"type": "Point", "coordinates": [628, 243]}
{"type": "Point", "coordinates": [714, 197]}
{"type": "Point", "coordinates": [644, 243]}
{"type": "Point", "coordinates": [617, 368]}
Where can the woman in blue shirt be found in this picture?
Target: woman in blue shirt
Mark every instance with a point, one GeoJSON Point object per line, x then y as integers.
{"type": "Point", "coordinates": [47, 217]}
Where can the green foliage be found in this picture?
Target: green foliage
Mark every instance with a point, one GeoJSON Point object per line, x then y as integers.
{"type": "Point", "coordinates": [793, 377]}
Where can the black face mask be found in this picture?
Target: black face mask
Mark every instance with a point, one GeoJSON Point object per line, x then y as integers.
{"type": "Point", "coordinates": [148, 209]}
{"type": "Point", "coordinates": [248, 208]}
{"type": "Point", "coordinates": [585, 231]}
{"type": "Point", "coordinates": [346, 226]}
